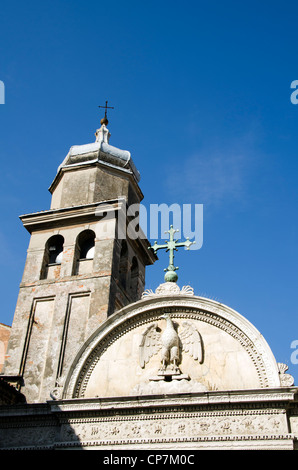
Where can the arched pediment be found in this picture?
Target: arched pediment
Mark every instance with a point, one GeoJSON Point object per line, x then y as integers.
{"type": "Point", "coordinates": [217, 349]}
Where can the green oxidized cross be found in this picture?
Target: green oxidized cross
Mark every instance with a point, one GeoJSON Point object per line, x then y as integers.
{"type": "Point", "coordinates": [171, 246]}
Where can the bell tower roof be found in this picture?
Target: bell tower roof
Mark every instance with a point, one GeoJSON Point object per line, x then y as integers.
{"type": "Point", "coordinates": [95, 172]}
{"type": "Point", "coordinates": [101, 151]}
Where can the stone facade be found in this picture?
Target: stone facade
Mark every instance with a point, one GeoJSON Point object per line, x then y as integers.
{"type": "Point", "coordinates": [103, 364]}
{"type": "Point", "coordinates": [234, 396]}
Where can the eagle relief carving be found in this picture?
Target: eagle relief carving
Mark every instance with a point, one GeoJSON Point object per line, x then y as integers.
{"type": "Point", "coordinates": [170, 342]}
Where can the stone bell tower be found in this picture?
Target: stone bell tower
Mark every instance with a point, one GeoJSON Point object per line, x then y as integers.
{"type": "Point", "coordinates": [81, 266]}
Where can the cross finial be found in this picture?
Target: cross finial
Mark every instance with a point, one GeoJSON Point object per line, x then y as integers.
{"type": "Point", "coordinates": [105, 119]}
{"type": "Point", "coordinates": [171, 245]}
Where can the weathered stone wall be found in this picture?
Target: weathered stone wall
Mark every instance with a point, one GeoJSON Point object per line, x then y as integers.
{"type": "Point", "coordinates": [4, 338]}
{"type": "Point", "coordinates": [59, 307]}
{"type": "Point", "coordinates": [94, 183]}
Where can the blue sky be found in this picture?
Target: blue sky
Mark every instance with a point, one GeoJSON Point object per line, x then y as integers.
{"type": "Point", "coordinates": [201, 92]}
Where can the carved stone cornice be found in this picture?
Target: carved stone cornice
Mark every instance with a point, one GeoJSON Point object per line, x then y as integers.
{"type": "Point", "coordinates": [67, 215]}
{"type": "Point", "coordinates": [254, 419]}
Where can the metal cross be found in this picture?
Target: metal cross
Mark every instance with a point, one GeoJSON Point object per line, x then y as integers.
{"type": "Point", "coordinates": [106, 107]}
{"type": "Point", "coordinates": [171, 246]}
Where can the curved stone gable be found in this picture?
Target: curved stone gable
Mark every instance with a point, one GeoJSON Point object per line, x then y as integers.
{"type": "Point", "coordinates": [235, 354]}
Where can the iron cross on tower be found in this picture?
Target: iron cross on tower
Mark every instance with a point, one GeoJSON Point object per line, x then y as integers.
{"type": "Point", "coordinates": [106, 107]}
{"type": "Point", "coordinates": [171, 245]}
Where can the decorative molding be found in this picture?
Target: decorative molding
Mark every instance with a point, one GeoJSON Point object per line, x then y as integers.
{"type": "Point", "coordinates": [178, 427]}
{"type": "Point", "coordinates": [286, 380]}
{"type": "Point", "coordinates": [60, 370]}
{"type": "Point", "coordinates": [251, 419]}
{"type": "Point", "coordinates": [168, 288]}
